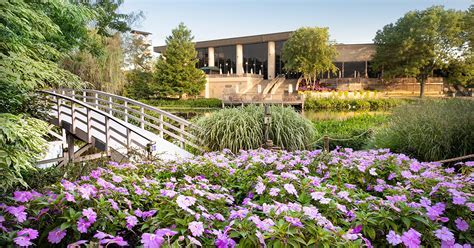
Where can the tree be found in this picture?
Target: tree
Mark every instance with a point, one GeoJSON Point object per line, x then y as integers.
{"type": "Point", "coordinates": [418, 43]}
{"type": "Point", "coordinates": [137, 52]}
{"type": "Point", "coordinates": [175, 71]}
{"type": "Point", "coordinates": [101, 68]}
{"type": "Point", "coordinates": [310, 52]}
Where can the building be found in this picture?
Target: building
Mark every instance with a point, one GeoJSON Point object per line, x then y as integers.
{"type": "Point", "coordinates": [247, 65]}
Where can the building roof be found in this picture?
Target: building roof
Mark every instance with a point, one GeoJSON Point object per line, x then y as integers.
{"type": "Point", "coordinates": [347, 52]}
{"type": "Point", "coordinates": [139, 32]}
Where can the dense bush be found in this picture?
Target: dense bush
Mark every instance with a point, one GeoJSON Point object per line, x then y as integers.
{"type": "Point", "coordinates": [276, 199]}
{"type": "Point", "coordinates": [21, 143]}
{"type": "Point", "coordinates": [341, 104]}
{"type": "Point", "coordinates": [186, 103]}
{"type": "Point", "coordinates": [430, 130]}
{"type": "Point", "coordinates": [242, 128]}
{"type": "Point", "coordinates": [354, 132]}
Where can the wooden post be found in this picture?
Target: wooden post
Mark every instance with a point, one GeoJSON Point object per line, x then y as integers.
{"type": "Point", "coordinates": [161, 126]}
{"type": "Point", "coordinates": [129, 139]}
{"type": "Point", "coordinates": [89, 125]}
{"type": "Point", "coordinates": [96, 96]}
{"type": "Point", "coordinates": [107, 135]}
{"type": "Point", "coordinates": [84, 94]}
{"type": "Point", "coordinates": [142, 117]}
{"type": "Point", "coordinates": [326, 143]}
{"type": "Point", "coordinates": [73, 117]}
{"type": "Point", "coordinates": [110, 105]}
{"type": "Point", "coordinates": [342, 70]}
{"type": "Point", "coordinates": [181, 127]}
{"type": "Point", "coordinates": [73, 94]}
{"type": "Point", "coordinates": [70, 147]}
{"type": "Point", "coordinates": [366, 70]}
{"type": "Point", "coordinates": [126, 111]}
{"type": "Point", "coordinates": [58, 101]}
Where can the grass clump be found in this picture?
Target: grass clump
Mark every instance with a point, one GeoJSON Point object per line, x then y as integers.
{"type": "Point", "coordinates": [430, 130]}
{"type": "Point", "coordinates": [243, 128]}
{"type": "Point", "coordinates": [354, 132]}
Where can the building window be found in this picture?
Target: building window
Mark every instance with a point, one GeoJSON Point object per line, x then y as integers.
{"type": "Point", "coordinates": [255, 58]}
{"type": "Point", "coordinates": [225, 58]}
{"type": "Point", "coordinates": [279, 64]}
{"type": "Point", "coordinates": [203, 56]}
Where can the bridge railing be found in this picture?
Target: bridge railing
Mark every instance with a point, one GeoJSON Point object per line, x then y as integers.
{"type": "Point", "coordinates": [168, 126]}
{"type": "Point", "coordinates": [93, 125]}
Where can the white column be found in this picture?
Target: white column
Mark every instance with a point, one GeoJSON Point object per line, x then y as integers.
{"type": "Point", "coordinates": [239, 51]}
{"type": "Point", "coordinates": [271, 60]}
{"type": "Point", "coordinates": [210, 51]}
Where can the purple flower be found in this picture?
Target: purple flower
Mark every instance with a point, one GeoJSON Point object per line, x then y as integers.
{"type": "Point", "coordinates": [77, 244]}
{"type": "Point", "coordinates": [83, 225]}
{"type": "Point", "coordinates": [114, 204]}
{"type": "Point", "coordinates": [259, 188]}
{"type": "Point", "coordinates": [274, 191]}
{"type": "Point", "coordinates": [185, 202]}
{"type": "Point", "coordinates": [461, 224]}
{"type": "Point", "coordinates": [101, 235]}
{"type": "Point", "coordinates": [22, 196]}
{"type": "Point", "coordinates": [241, 214]}
{"type": "Point", "coordinates": [165, 232]}
{"type": "Point", "coordinates": [116, 179]}
{"type": "Point", "coordinates": [90, 214]}
{"type": "Point", "coordinates": [393, 238]}
{"type": "Point", "coordinates": [114, 240]}
{"type": "Point", "coordinates": [459, 200]}
{"type": "Point", "coordinates": [317, 195]}
{"type": "Point", "coordinates": [194, 241]}
{"type": "Point", "coordinates": [444, 234]}
{"type": "Point", "coordinates": [223, 241]}
{"type": "Point", "coordinates": [150, 240]}
{"type": "Point", "coordinates": [290, 189]}
{"type": "Point", "coordinates": [196, 228]}
{"type": "Point", "coordinates": [31, 233]}
{"type": "Point", "coordinates": [131, 221]}
{"type": "Point", "coordinates": [87, 190]}
{"type": "Point", "coordinates": [294, 221]}
{"type": "Point", "coordinates": [22, 241]}
{"type": "Point", "coordinates": [411, 238]}
{"type": "Point", "coordinates": [18, 212]}
{"type": "Point", "coordinates": [55, 236]}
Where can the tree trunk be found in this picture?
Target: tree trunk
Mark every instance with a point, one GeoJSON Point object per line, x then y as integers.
{"type": "Point", "coordinates": [422, 87]}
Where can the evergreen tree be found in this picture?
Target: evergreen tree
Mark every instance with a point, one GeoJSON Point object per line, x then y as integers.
{"type": "Point", "coordinates": [175, 71]}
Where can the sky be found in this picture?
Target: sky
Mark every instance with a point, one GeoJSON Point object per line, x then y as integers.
{"type": "Point", "coordinates": [349, 21]}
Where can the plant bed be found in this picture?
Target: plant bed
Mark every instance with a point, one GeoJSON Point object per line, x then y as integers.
{"type": "Point", "coordinates": [277, 198]}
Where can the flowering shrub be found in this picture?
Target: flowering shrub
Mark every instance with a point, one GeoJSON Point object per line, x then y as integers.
{"type": "Point", "coordinates": [255, 198]}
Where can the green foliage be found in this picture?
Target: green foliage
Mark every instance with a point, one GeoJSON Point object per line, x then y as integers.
{"type": "Point", "coordinates": [21, 142]}
{"type": "Point", "coordinates": [461, 72]}
{"type": "Point", "coordinates": [186, 103]}
{"type": "Point", "coordinates": [418, 43]}
{"type": "Point", "coordinates": [352, 104]}
{"type": "Point", "coordinates": [175, 71]}
{"type": "Point", "coordinates": [310, 52]}
{"type": "Point", "coordinates": [430, 130]}
{"type": "Point", "coordinates": [137, 52]}
{"type": "Point", "coordinates": [138, 84]}
{"type": "Point", "coordinates": [103, 70]}
{"type": "Point", "coordinates": [243, 128]}
{"type": "Point", "coordinates": [352, 133]}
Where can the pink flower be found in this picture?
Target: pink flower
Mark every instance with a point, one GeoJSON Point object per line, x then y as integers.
{"type": "Point", "coordinates": [22, 196]}
{"type": "Point", "coordinates": [194, 241]}
{"type": "Point", "coordinates": [22, 241]}
{"type": "Point", "coordinates": [31, 233]}
{"type": "Point", "coordinates": [259, 188]}
{"type": "Point", "coordinates": [317, 195]}
{"type": "Point", "coordinates": [150, 240]}
{"type": "Point", "coordinates": [196, 228]}
{"type": "Point", "coordinates": [294, 221]}
{"type": "Point", "coordinates": [18, 212]}
{"type": "Point", "coordinates": [90, 214]}
{"type": "Point", "coordinates": [131, 221]}
{"type": "Point", "coordinates": [274, 191]}
{"type": "Point", "coordinates": [461, 224]}
{"type": "Point", "coordinates": [411, 238]}
{"type": "Point", "coordinates": [444, 234]}
{"type": "Point", "coordinates": [55, 236]}
{"type": "Point", "coordinates": [393, 238]}
{"type": "Point", "coordinates": [83, 225]}
{"type": "Point", "coordinates": [114, 240]}
{"type": "Point", "coordinates": [290, 189]}
{"type": "Point", "coordinates": [185, 201]}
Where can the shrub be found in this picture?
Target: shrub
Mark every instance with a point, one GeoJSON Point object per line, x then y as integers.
{"type": "Point", "coordinates": [242, 128]}
{"type": "Point", "coordinates": [353, 133]}
{"type": "Point", "coordinates": [188, 103]}
{"type": "Point", "coordinates": [21, 143]}
{"type": "Point", "coordinates": [352, 104]}
{"type": "Point", "coordinates": [255, 198]}
{"type": "Point", "coordinates": [430, 130]}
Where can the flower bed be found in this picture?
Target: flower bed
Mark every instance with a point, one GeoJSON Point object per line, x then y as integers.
{"type": "Point", "coordinates": [257, 197]}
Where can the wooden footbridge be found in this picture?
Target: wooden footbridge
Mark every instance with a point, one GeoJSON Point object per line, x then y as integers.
{"type": "Point", "coordinates": [116, 126]}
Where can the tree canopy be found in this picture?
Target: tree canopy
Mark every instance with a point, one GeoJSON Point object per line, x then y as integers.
{"type": "Point", "coordinates": [419, 42]}
{"type": "Point", "coordinates": [175, 71]}
{"type": "Point", "coordinates": [309, 51]}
